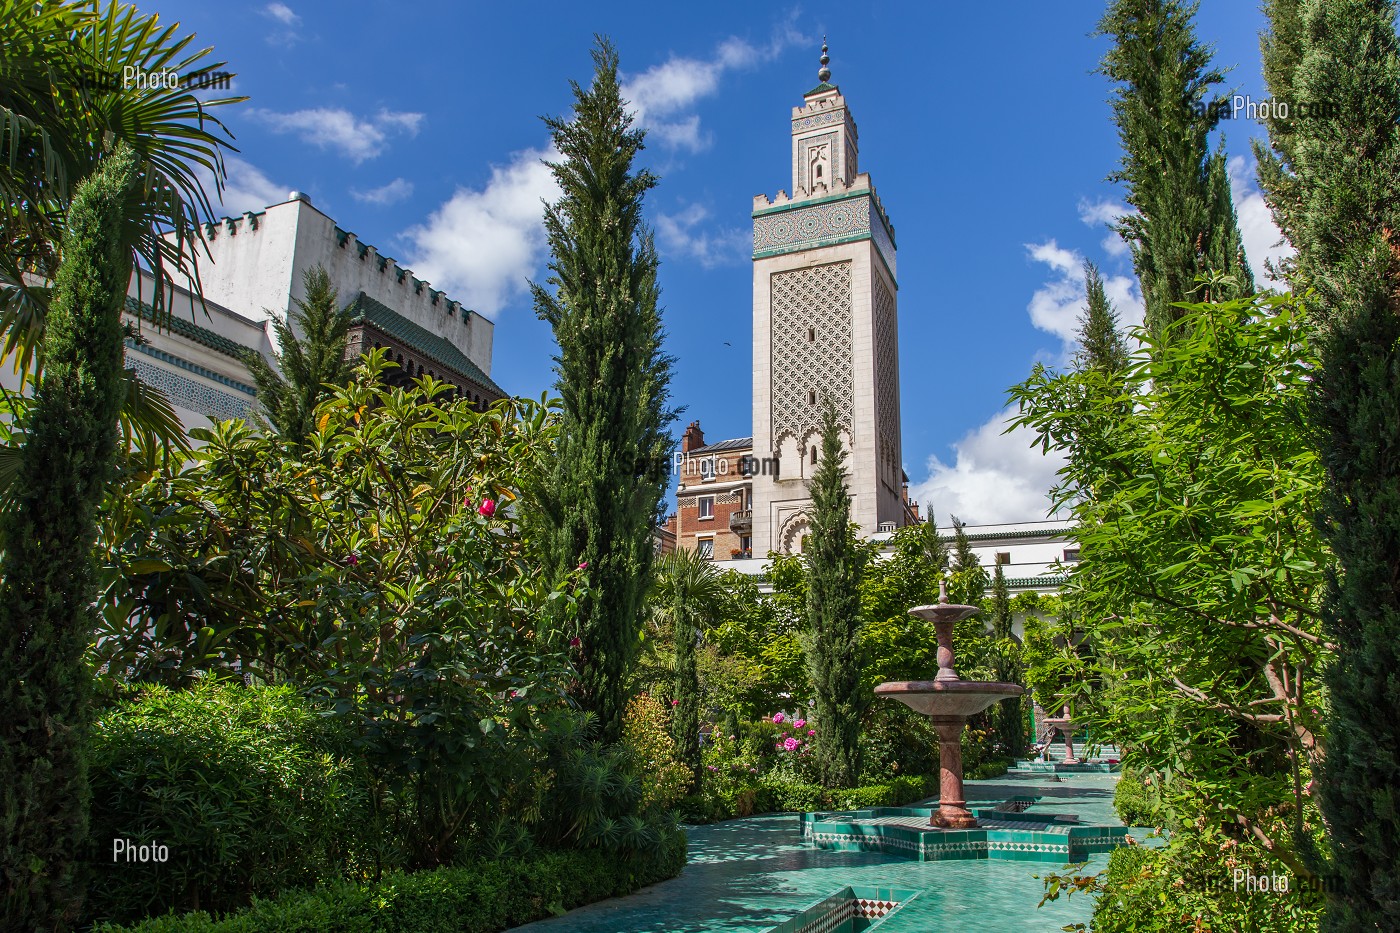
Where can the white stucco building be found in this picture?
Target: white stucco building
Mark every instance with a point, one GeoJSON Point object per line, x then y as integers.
{"type": "Point", "coordinates": [252, 268]}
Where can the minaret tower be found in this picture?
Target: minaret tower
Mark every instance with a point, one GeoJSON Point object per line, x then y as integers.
{"type": "Point", "coordinates": [824, 324]}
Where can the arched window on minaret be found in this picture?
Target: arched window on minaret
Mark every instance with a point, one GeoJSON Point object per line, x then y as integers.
{"type": "Point", "coordinates": [818, 166]}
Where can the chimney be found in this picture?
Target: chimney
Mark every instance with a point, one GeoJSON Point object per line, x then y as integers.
{"type": "Point", "coordinates": [692, 438]}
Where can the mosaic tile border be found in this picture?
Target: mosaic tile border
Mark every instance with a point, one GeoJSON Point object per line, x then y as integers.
{"type": "Point", "coordinates": [865, 906]}
{"type": "Point", "coordinates": [903, 832]}
{"type": "Point", "coordinates": [191, 395]}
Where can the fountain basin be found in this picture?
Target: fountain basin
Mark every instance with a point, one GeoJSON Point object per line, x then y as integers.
{"type": "Point", "coordinates": [960, 698]}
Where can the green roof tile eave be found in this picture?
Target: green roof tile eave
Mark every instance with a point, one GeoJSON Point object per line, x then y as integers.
{"type": "Point", "coordinates": [367, 310]}
{"type": "Point", "coordinates": [190, 330]}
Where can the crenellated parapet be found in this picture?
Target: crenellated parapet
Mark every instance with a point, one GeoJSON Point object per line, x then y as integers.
{"type": "Point", "coordinates": [365, 253]}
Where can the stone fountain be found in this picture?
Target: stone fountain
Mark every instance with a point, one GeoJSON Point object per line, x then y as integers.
{"type": "Point", "coordinates": [948, 701]}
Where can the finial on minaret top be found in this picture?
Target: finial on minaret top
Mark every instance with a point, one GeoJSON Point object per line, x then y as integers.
{"type": "Point", "coordinates": [825, 74]}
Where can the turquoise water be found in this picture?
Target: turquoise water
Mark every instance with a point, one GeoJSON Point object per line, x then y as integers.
{"type": "Point", "coordinates": [745, 876]}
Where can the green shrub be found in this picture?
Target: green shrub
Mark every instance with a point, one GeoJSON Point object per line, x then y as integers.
{"type": "Point", "coordinates": [1134, 800]}
{"type": "Point", "coordinates": [655, 759]}
{"type": "Point", "coordinates": [250, 790]}
{"type": "Point", "coordinates": [987, 769]}
{"type": "Point", "coordinates": [1192, 884]}
{"type": "Point", "coordinates": [774, 796]}
{"type": "Point", "coordinates": [481, 897]}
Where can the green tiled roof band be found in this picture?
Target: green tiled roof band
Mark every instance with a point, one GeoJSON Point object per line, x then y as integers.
{"type": "Point", "coordinates": [189, 330]}
{"type": "Point", "coordinates": [366, 310]}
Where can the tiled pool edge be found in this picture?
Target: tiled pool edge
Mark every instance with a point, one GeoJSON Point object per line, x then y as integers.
{"type": "Point", "coordinates": [851, 903]}
{"type": "Point", "coordinates": [1067, 843]}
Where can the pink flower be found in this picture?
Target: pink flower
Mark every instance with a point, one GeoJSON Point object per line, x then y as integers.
{"type": "Point", "coordinates": [790, 743]}
{"type": "Point", "coordinates": [583, 565]}
{"type": "Point", "coordinates": [487, 508]}
{"type": "Point", "coordinates": [778, 746]}
{"type": "Point", "coordinates": [799, 723]}
{"type": "Point", "coordinates": [778, 717]}
{"type": "Point", "coordinates": [811, 731]}
{"type": "Point", "coordinates": [575, 642]}
{"type": "Point", "coordinates": [353, 559]}
{"type": "Point", "coordinates": [675, 702]}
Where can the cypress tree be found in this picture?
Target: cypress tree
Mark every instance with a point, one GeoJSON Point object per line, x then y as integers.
{"type": "Point", "coordinates": [1006, 665]}
{"type": "Point", "coordinates": [308, 363]}
{"type": "Point", "coordinates": [835, 563]}
{"type": "Point", "coordinates": [1337, 64]}
{"type": "Point", "coordinates": [1166, 102]}
{"type": "Point", "coordinates": [690, 593]}
{"type": "Point", "coordinates": [46, 571]}
{"type": "Point", "coordinates": [1101, 345]}
{"type": "Point", "coordinates": [604, 496]}
{"type": "Point", "coordinates": [969, 584]}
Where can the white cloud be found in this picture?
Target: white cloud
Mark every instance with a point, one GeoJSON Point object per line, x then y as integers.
{"type": "Point", "coordinates": [1056, 306]}
{"type": "Point", "coordinates": [283, 14]}
{"type": "Point", "coordinates": [245, 189]}
{"type": "Point", "coordinates": [1106, 213]}
{"type": "Point", "coordinates": [1261, 236]}
{"type": "Point", "coordinates": [662, 95]}
{"type": "Point", "coordinates": [480, 246]}
{"type": "Point", "coordinates": [995, 477]}
{"type": "Point", "coordinates": [334, 128]}
{"type": "Point", "coordinates": [681, 234]}
{"type": "Point", "coordinates": [392, 193]}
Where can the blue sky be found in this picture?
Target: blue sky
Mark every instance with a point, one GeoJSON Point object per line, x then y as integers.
{"type": "Point", "coordinates": [984, 129]}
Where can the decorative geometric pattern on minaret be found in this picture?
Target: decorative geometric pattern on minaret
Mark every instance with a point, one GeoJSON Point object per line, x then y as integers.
{"type": "Point", "coordinates": [886, 374]}
{"type": "Point", "coordinates": [811, 342]}
{"type": "Point", "coordinates": [807, 227]}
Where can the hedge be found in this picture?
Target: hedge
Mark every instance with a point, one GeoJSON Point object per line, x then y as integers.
{"type": "Point", "coordinates": [251, 792]}
{"type": "Point", "coordinates": [773, 796]}
{"type": "Point", "coordinates": [482, 897]}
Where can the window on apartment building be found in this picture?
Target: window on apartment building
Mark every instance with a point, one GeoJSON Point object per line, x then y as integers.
{"type": "Point", "coordinates": [707, 506]}
{"type": "Point", "coordinates": [1003, 558]}
{"type": "Point", "coordinates": [1071, 555]}
{"type": "Point", "coordinates": [705, 547]}
{"type": "Point", "coordinates": [811, 396]}
{"type": "Point", "coordinates": [745, 543]}
{"type": "Point", "coordinates": [707, 468]}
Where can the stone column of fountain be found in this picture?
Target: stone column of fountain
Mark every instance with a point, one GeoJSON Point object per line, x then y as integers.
{"type": "Point", "coordinates": [948, 701]}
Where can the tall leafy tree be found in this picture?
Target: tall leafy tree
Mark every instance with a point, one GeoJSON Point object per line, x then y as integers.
{"type": "Point", "coordinates": [1202, 573]}
{"type": "Point", "coordinates": [310, 363]}
{"type": "Point", "coordinates": [610, 470]}
{"type": "Point", "coordinates": [1166, 102]}
{"type": "Point", "coordinates": [1334, 185]}
{"type": "Point", "coordinates": [47, 570]}
{"type": "Point", "coordinates": [835, 563]}
{"type": "Point", "coordinates": [690, 594]}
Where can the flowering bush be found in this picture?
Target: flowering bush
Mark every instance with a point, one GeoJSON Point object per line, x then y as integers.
{"type": "Point", "coordinates": [647, 737]}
